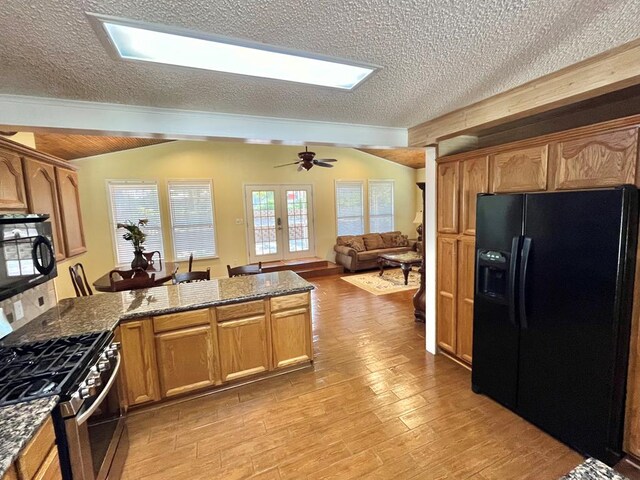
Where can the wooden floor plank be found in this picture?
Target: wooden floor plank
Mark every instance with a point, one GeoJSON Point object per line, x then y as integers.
{"type": "Point", "coordinates": [376, 405]}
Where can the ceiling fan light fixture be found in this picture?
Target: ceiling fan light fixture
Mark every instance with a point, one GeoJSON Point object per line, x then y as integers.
{"type": "Point", "coordinates": [137, 41]}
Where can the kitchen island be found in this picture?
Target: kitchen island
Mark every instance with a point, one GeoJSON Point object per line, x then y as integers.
{"type": "Point", "coordinates": [194, 336]}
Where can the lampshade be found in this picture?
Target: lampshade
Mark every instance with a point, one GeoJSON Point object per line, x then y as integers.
{"type": "Point", "coordinates": [418, 218]}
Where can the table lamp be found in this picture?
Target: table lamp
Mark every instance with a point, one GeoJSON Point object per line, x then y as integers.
{"type": "Point", "coordinates": [418, 221]}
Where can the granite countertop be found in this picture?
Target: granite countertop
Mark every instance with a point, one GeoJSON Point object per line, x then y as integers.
{"type": "Point", "coordinates": [19, 423]}
{"type": "Point", "coordinates": [103, 312]}
{"type": "Point", "coordinates": [592, 469]}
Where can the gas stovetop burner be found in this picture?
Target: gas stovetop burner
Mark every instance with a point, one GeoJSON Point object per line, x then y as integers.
{"type": "Point", "coordinates": [45, 368]}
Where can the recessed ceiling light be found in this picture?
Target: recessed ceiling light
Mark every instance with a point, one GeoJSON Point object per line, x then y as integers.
{"type": "Point", "coordinates": [159, 44]}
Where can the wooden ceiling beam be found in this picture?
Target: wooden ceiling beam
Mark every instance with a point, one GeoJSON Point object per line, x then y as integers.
{"type": "Point", "coordinates": [409, 157]}
{"type": "Point", "coordinates": [604, 73]}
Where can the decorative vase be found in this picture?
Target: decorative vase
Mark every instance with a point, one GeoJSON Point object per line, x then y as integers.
{"type": "Point", "coordinates": [139, 261]}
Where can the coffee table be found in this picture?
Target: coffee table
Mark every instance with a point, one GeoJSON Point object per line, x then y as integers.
{"type": "Point", "coordinates": [403, 260]}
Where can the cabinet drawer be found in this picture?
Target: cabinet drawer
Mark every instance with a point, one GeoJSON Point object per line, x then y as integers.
{"type": "Point", "coordinates": [177, 321]}
{"type": "Point", "coordinates": [239, 310]}
{"type": "Point", "coordinates": [50, 469]}
{"type": "Point", "coordinates": [10, 474]}
{"type": "Point", "coordinates": [289, 301]}
{"type": "Point", "coordinates": [35, 453]}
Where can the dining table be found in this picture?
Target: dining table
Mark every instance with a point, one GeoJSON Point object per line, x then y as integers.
{"type": "Point", "coordinates": [163, 272]}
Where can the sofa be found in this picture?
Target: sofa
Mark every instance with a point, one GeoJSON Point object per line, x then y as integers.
{"type": "Point", "coordinates": [360, 252]}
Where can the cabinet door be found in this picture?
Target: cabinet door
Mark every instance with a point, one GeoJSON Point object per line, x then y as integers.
{"type": "Point", "coordinates": [243, 347]}
{"type": "Point", "coordinates": [466, 277]}
{"type": "Point", "coordinates": [523, 170]}
{"type": "Point", "coordinates": [42, 196]}
{"type": "Point", "coordinates": [291, 337]}
{"type": "Point", "coordinates": [475, 178]}
{"type": "Point", "coordinates": [448, 197]}
{"type": "Point", "coordinates": [70, 213]}
{"type": "Point", "coordinates": [139, 362]}
{"type": "Point", "coordinates": [11, 473]}
{"type": "Point", "coordinates": [596, 161]}
{"type": "Point", "coordinates": [50, 468]}
{"type": "Point", "coordinates": [185, 360]}
{"type": "Point", "coordinates": [12, 195]}
{"type": "Point", "coordinates": [446, 301]}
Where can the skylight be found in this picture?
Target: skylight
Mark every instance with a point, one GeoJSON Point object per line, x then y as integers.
{"type": "Point", "coordinates": [149, 44]}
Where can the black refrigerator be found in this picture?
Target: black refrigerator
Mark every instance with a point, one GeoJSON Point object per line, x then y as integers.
{"type": "Point", "coordinates": [552, 312]}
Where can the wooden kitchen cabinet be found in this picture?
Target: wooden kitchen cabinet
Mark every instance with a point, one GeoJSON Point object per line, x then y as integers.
{"type": "Point", "coordinates": [448, 197]}
{"type": "Point", "coordinates": [475, 180]}
{"type": "Point", "coordinates": [10, 474]}
{"type": "Point", "coordinates": [139, 361]}
{"type": "Point", "coordinates": [12, 194]}
{"type": "Point", "coordinates": [447, 289]}
{"type": "Point", "coordinates": [291, 330]}
{"type": "Point", "coordinates": [42, 197]}
{"type": "Point", "coordinates": [244, 347]}
{"type": "Point", "coordinates": [466, 282]}
{"type": "Point", "coordinates": [185, 360]}
{"type": "Point", "coordinates": [602, 160]}
{"type": "Point", "coordinates": [39, 459]}
{"type": "Point", "coordinates": [519, 170]}
{"type": "Point", "coordinates": [70, 213]}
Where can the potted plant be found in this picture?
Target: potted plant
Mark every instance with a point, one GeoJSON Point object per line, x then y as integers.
{"type": "Point", "coordinates": [136, 236]}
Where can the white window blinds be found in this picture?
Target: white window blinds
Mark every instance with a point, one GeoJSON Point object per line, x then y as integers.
{"type": "Point", "coordinates": [381, 206]}
{"type": "Point", "coordinates": [349, 208]}
{"type": "Point", "coordinates": [192, 222]}
{"type": "Point", "coordinates": [131, 200]}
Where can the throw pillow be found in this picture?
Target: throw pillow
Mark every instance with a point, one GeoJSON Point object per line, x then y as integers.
{"type": "Point", "coordinates": [373, 241]}
{"type": "Point", "coordinates": [356, 243]}
{"type": "Point", "coordinates": [402, 241]}
{"type": "Point", "coordinates": [389, 239]}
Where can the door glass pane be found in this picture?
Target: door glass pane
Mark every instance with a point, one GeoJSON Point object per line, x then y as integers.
{"type": "Point", "coordinates": [298, 220]}
{"type": "Point", "coordinates": [264, 221]}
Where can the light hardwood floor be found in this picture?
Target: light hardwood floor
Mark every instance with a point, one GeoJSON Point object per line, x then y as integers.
{"type": "Point", "coordinates": [376, 405]}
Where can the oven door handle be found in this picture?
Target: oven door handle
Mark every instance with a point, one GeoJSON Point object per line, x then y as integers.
{"type": "Point", "coordinates": [80, 419]}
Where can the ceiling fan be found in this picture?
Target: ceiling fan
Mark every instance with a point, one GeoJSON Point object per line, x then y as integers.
{"type": "Point", "coordinates": [307, 161]}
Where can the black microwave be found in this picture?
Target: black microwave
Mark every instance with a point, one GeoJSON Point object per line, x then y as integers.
{"type": "Point", "coordinates": [27, 255]}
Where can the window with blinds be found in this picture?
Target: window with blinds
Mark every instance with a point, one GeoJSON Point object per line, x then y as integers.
{"type": "Point", "coordinates": [350, 207]}
{"type": "Point", "coordinates": [192, 223]}
{"type": "Point", "coordinates": [381, 206]}
{"type": "Point", "coordinates": [132, 200]}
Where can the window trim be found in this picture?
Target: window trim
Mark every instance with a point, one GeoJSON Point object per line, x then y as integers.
{"type": "Point", "coordinates": [213, 213]}
{"type": "Point", "coordinates": [364, 207]}
{"type": "Point", "coordinates": [129, 181]}
{"type": "Point", "coordinates": [393, 202]}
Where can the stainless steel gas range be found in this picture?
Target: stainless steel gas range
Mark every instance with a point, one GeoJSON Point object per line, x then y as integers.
{"type": "Point", "coordinates": [83, 371]}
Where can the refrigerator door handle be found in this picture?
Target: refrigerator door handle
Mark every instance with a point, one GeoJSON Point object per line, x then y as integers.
{"type": "Point", "coordinates": [511, 292]}
{"type": "Point", "coordinates": [524, 264]}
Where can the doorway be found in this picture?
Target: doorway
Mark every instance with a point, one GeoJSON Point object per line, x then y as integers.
{"type": "Point", "coordinates": [280, 222]}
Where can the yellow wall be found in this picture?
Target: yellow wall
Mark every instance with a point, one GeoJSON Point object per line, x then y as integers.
{"type": "Point", "coordinates": [25, 138]}
{"type": "Point", "coordinates": [230, 166]}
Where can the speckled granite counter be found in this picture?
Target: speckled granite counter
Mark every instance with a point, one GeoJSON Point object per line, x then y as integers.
{"type": "Point", "coordinates": [74, 316]}
{"type": "Point", "coordinates": [592, 469]}
{"type": "Point", "coordinates": [18, 424]}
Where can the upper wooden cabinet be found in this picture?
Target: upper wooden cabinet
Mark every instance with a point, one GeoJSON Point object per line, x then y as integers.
{"type": "Point", "coordinates": [522, 170]}
{"type": "Point", "coordinates": [596, 161]}
{"type": "Point", "coordinates": [139, 362]}
{"type": "Point", "coordinates": [446, 298]}
{"type": "Point", "coordinates": [42, 196]}
{"type": "Point", "coordinates": [475, 180]}
{"type": "Point", "coordinates": [448, 197]}
{"type": "Point", "coordinates": [12, 195]}
{"type": "Point", "coordinates": [69, 196]}
{"type": "Point", "coordinates": [464, 324]}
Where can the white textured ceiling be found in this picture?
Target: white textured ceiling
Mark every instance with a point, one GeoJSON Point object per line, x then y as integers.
{"type": "Point", "coordinates": [437, 55]}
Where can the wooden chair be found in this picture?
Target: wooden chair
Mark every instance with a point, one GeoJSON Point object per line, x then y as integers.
{"type": "Point", "coordinates": [80, 284]}
{"type": "Point", "coordinates": [189, 277]}
{"type": "Point", "coordinates": [149, 256]}
{"type": "Point", "coordinates": [244, 270]}
{"type": "Point", "coordinates": [131, 280]}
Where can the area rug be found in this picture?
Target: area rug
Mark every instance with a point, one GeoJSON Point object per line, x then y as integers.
{"type": "Point", "coordinates": [592, 469]}
{"type": "Point", "coordinates": [391, 281]}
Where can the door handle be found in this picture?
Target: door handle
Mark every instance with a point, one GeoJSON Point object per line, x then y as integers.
{"type": "Point", "coordinates": [513, 270]}
{"type": "Point", "coordinates": [524, 264]}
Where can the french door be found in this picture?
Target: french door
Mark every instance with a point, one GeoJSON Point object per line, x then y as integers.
{"type": "Point", "coordinates": [280, 222]}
